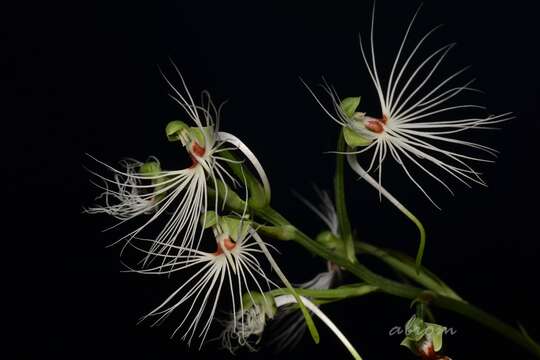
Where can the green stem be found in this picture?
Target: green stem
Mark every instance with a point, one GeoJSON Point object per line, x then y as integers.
{"type": "Point", "coordinates": [345, 231]}
{"type": "Point", "coordinates": [408, 267]}
{"type": "Point", "coordinates": [398, 289]}
{"type": "Point", "coordinates": [341, 292]}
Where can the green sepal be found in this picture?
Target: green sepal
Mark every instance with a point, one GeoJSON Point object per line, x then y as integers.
{"type": "Point", "coordinates": [230, 225]}
{"type": "Point", "coordinates": [197, 133]}
{"type": "Point", "coordinates": [174, 130]}
{"type": "Point", "coordinates": [435, 332]}
{"type": "Point", "coordinates": [349, 105]}
{"type": "Point", "coordinates": [409, 344]}
{"type": "Point", "coordinates": [150, 168]}
{"type": "Point", "coordinates": [415, 328]}
{"type": "Point", "coordinates": [353, 139]}
{"type": "Point", "coordinates": [235, 227]}
{"type": "Point", "coordinates": [208, 219]}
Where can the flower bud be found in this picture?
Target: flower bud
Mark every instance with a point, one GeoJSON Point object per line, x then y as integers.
{"type": "Point", "coordinates": [331, 241]}
{"type": "Point", "coordinates": [423, 338]}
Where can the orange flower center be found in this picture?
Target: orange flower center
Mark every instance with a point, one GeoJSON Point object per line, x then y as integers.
{"type": "Point", "coordinates": [197, 150]}
{"type": "Point", "coordinates": [227, 244]}
{"type": "Point", "coordinates": [375, 124]}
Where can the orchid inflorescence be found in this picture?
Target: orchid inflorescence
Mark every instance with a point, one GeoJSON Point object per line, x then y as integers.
{"type": "Point", "coordinates": [210, 223]}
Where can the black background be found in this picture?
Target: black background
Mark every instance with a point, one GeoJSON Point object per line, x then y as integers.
{"type": "Point", "coordinates": [83, 78]}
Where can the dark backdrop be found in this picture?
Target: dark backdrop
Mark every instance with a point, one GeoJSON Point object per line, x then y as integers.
{"type": "Point", "coordinates": [83, 78]}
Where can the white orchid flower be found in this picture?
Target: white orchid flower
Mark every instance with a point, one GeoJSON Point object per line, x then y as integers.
{"type": "Point", "coordinates": [233, 267]}
{"type": "Point", "coordinates": [128, 199]}
{"type": "Point", "coordinates": [256, 317]}
{"type": "Point", "coordinates": [419, 123]}
{"type": "Point", "coordinates": [179, 195]}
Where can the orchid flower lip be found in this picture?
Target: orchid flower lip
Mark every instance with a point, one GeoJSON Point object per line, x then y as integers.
{"type": "Point", "coordinates": [180, 195]}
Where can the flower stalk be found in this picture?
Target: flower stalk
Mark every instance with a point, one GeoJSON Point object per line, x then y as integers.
{"type": "Point", "coordinates": [341, 206]}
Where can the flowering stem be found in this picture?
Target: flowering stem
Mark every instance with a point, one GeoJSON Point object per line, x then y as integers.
{"type": "Point", "coordinates": [398, 289]}
{"type": "Point", "coordinates": [341, 206]}
{"type": "Point", "coordinates": [403, 290]}
{"type": "Point", "coordinates": [289, 299]}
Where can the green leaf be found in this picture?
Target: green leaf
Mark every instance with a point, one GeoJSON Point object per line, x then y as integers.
{"type": "Point", "coordinates": [349, 105]}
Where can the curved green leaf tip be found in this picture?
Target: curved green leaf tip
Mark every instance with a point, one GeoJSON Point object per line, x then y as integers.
{"type": "Point", "coordinates": [174, 129]}
{"type": "Point", "coordinates": [349, 105]}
